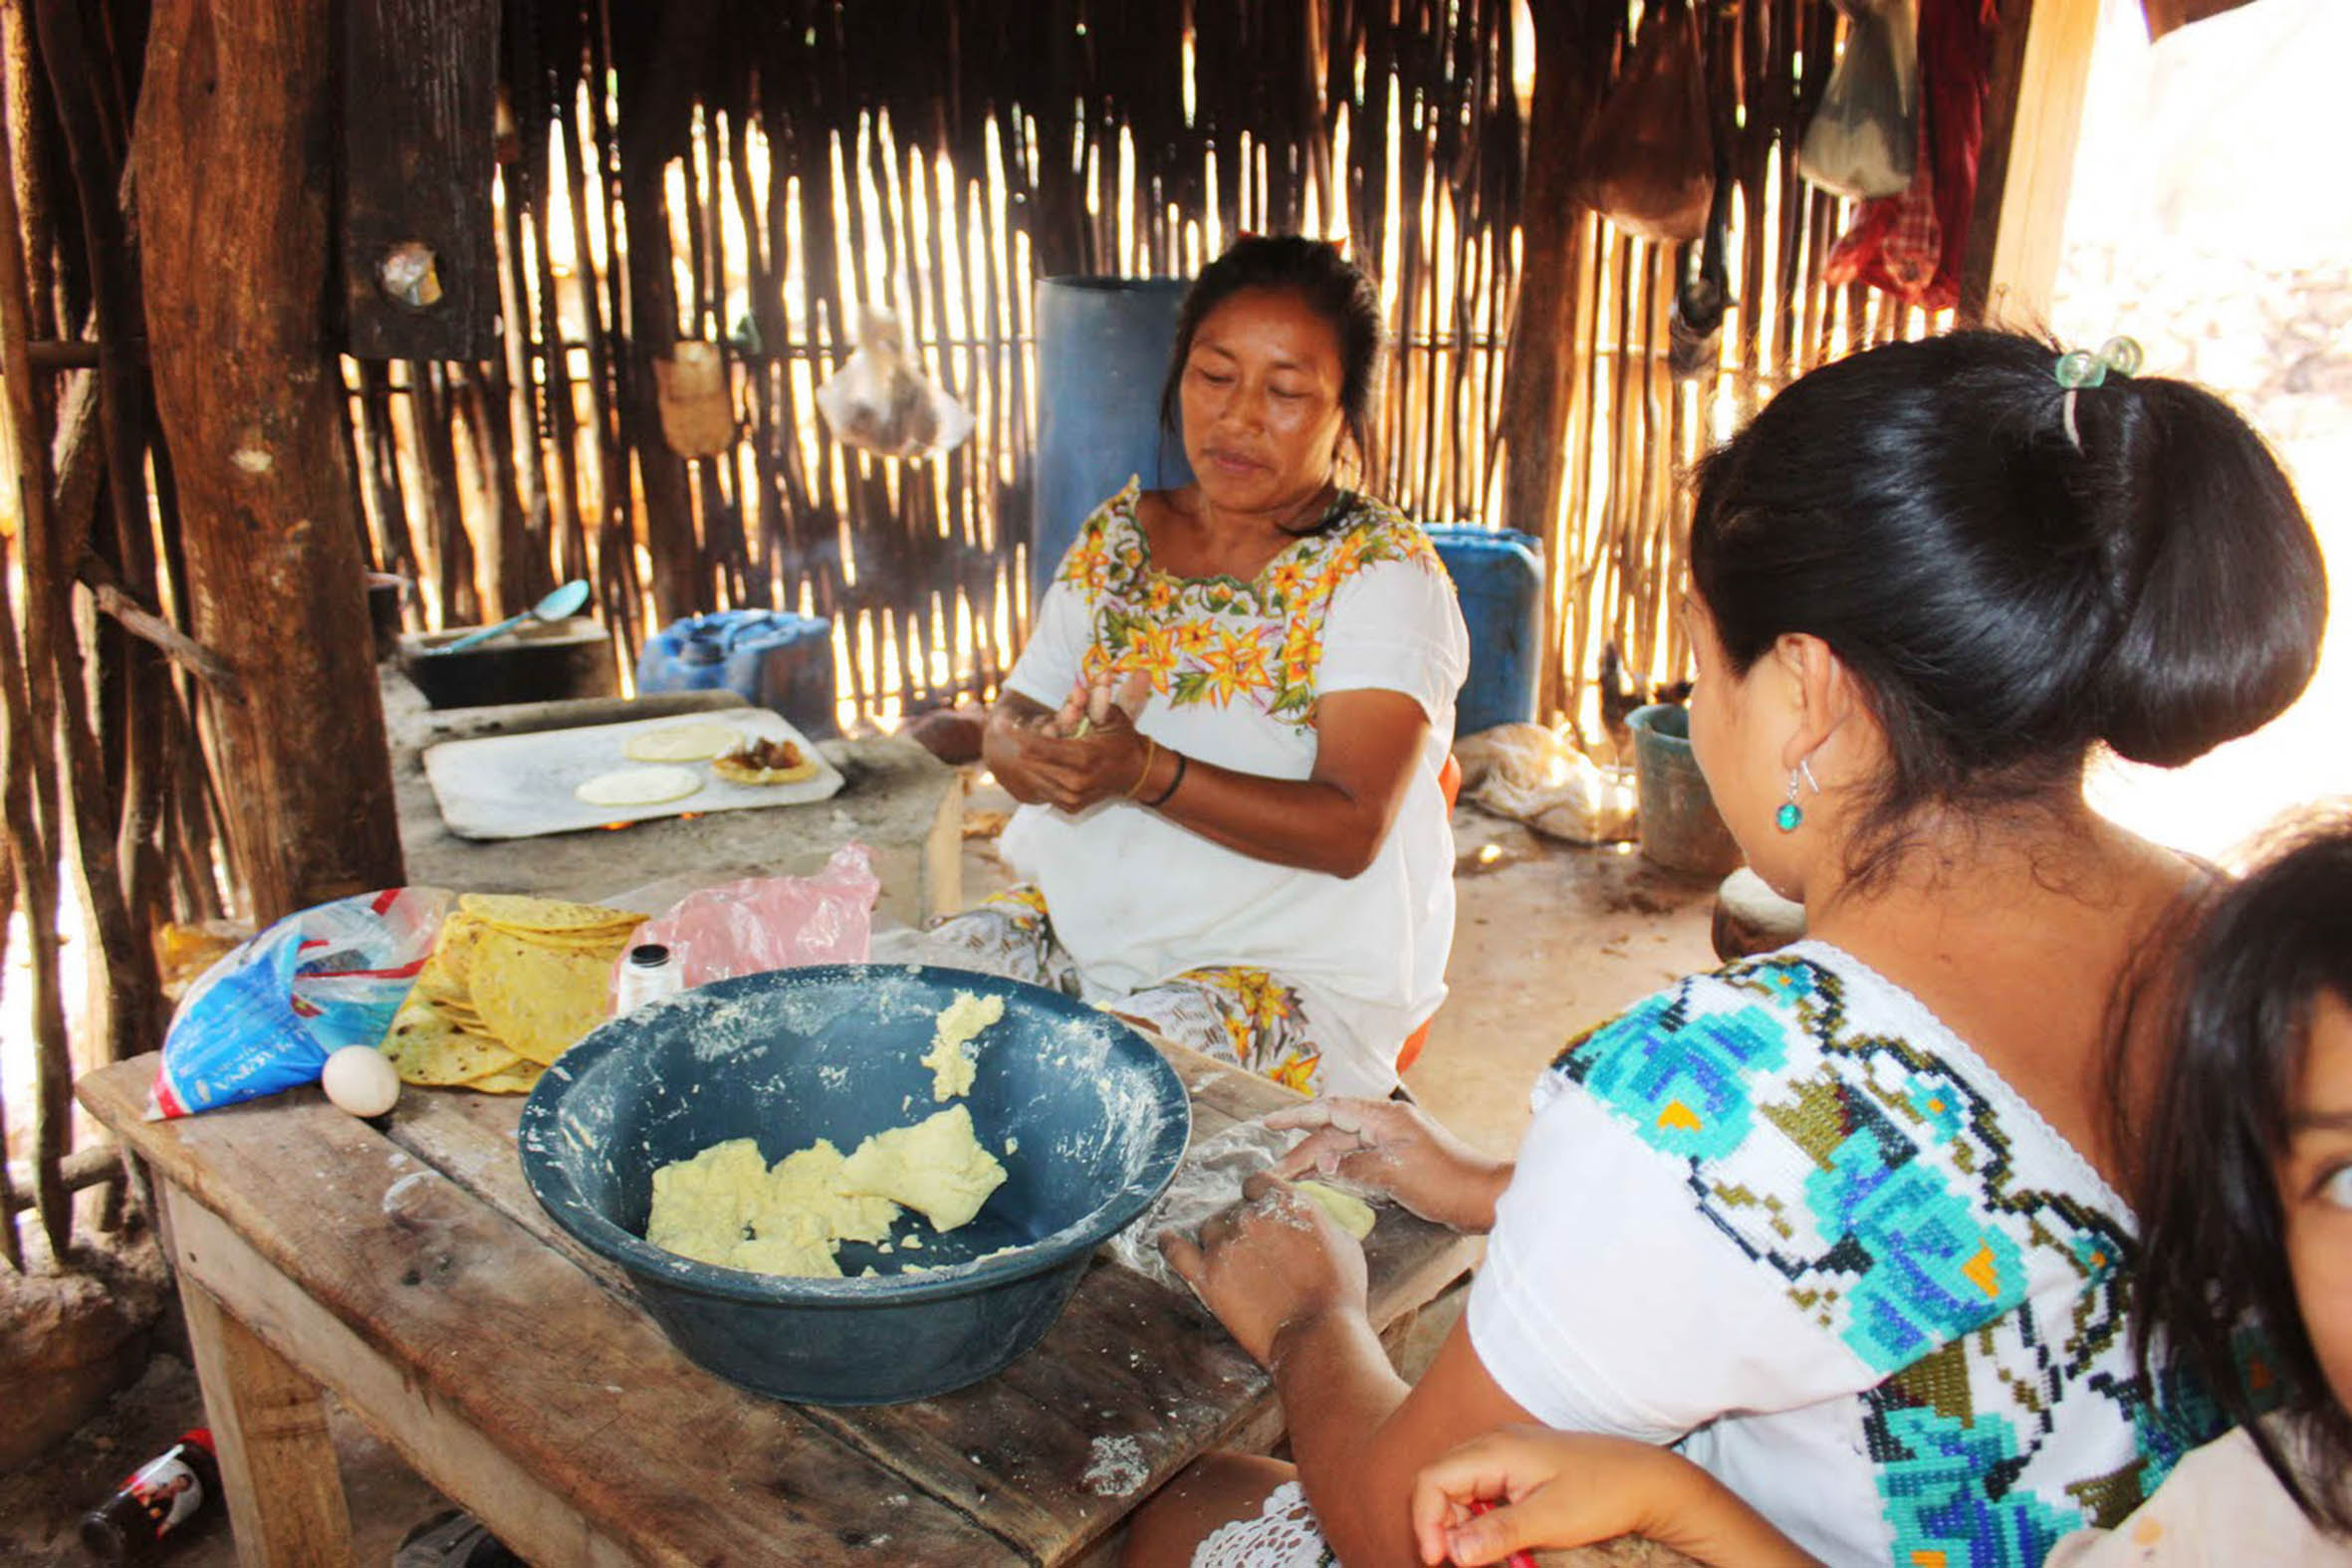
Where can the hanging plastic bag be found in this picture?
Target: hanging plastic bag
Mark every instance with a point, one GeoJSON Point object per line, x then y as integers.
{"type": "Point", "coordinates": [1537, 775]}
{"type": "Point", "coordinates": [268, 1013]}
{"type": "Point", "coordinates": [1864, 138]}
{"type": "Point", "coordinates": [880, 400]}
{"type": "Point", "coordinates": [1911, 244]}
{"type": "Point", "coordinates": [1649, 160]}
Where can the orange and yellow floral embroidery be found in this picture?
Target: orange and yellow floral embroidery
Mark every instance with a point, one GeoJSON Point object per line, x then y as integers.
{"type": "Point", "coordinates": [1263, 1021]}
{"type": "Point", "coordinates": [1219, 640]}
{"type": "Point", "coordinates": [1298, 1071]}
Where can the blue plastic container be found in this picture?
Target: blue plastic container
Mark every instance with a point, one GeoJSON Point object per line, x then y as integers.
{"type": "Point", "coordinates": [1102, 354]}
{"type": "Point", "coordinates": [1089, 1119]}
{"type": "Point", "coordinates": [1499, 577]}
{"type": "Point", "coordinates": [771, 658]}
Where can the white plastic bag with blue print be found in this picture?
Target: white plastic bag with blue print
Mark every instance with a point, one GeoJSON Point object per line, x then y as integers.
{"type": "Point", "coordinates": [270, 1012]}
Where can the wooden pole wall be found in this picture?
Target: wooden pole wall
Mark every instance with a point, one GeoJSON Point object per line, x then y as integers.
{"type": "Point", "coordinates": [760, 184]}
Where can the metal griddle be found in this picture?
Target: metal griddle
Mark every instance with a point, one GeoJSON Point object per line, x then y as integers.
{"type": "Point", "coordinates": [521, 785]}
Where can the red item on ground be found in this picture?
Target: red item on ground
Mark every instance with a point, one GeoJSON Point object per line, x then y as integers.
{"type": "Point", "coordinates": [168, 1495]}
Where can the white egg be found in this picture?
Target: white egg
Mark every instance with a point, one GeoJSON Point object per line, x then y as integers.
{"type": "Point", "coordinates": [359, 1079]}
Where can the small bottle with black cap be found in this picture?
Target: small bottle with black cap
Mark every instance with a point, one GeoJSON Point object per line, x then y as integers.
{"type": "Point", "coordinates": [649, 971]}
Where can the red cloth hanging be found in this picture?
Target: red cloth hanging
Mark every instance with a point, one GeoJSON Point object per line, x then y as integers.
{"type": "Point", "coordinates": [1911, 244]}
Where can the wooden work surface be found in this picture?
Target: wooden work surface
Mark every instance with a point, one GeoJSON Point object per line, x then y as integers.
{"type": "Point", "coordinates": [410, 1271]}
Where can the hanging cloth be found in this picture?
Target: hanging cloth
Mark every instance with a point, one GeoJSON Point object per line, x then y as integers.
{"type": "Point", "coordinates": [1911, 245]}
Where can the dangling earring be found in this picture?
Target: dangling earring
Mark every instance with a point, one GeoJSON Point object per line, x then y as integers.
{"type": "Point", "coordinates": [1792, 817]}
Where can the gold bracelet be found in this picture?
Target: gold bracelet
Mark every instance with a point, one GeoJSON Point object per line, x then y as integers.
{"type": "Point", "coordinates": [1150, 756]}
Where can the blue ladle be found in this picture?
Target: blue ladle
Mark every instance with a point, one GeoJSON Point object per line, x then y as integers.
{"type": "Point", "coordinates": [563, 601]}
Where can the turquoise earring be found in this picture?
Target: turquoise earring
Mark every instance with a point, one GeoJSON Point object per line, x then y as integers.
{"type": "Point", "coordinates": [1791, 816]}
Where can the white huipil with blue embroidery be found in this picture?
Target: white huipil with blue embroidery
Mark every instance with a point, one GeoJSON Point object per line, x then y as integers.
{"type": "Point", "coordinates": [1782, 1215]}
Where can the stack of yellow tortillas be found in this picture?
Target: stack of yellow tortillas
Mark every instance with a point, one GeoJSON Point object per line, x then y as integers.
{"type": "Point", "coordinates": [512, 983]}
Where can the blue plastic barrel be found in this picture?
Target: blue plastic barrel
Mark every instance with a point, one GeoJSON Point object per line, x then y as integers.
{"type": "Point", "coordinates": [1499, 577]}
{"type": "Point", "coordinates": [1102, 354]}
{"type": "Point", "coordinates": [774, 660]}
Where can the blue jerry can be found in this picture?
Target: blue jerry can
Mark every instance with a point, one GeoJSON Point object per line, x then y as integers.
{"type": "Point", "coordinates": [772, 658]}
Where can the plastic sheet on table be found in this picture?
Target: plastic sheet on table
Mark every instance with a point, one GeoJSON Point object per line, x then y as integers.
{"type": "Point", "coordinates": [1207, 1183]}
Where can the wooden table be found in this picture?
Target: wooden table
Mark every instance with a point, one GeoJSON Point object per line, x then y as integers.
{"type": "Point", "coordinates": [410, 1271]}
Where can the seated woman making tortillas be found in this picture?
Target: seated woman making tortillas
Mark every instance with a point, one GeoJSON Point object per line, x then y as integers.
{"type": "Point", "coordinates": [1228, 726]}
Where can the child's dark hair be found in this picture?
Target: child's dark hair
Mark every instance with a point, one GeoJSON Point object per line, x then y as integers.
{"type": "Point", "coordinates": [2213, 1251]}
{"type": "Point", "coordinates": [2006, 598]}
{"type": "Point", "coordinates": [1333, 286]}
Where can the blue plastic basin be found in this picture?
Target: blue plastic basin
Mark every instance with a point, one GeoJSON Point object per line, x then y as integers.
{"type": "Point", "coordinates": [1098, 1121]}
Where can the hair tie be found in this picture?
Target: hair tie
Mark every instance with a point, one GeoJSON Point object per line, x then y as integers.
{"type": "Point", "coordinates": [1165, 796]}
{"type": "Point", "coordinates": [2081, 367]}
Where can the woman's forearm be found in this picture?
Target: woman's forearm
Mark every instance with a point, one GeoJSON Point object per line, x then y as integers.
{"type": "Point", "coordinates": [1338, 1389]}
{"type": "Point", "coordinates": [1302, 822]}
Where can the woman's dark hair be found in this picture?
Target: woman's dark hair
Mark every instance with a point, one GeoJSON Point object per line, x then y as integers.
{"type": "Point", "coordinates": [2213, 1248]}
{"type": "Point", "coordinates": [1333, 286]}
{"type": "Point", "coordinates": [2008, 597]}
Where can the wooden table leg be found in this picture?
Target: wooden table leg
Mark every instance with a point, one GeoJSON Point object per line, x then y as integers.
{"type": "Point", "coordinates": [277, 1457]}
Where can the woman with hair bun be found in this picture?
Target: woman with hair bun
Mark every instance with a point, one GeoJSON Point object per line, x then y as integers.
{"type": "Point", "coordinates": [1841, 1223]}
{"type": "Point", "coordinates": [1228, 728]}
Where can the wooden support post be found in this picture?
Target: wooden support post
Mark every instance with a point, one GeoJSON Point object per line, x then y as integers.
{"type": "Point", "coordinates": [2042, 66]}
{"type": "Point", "coordinates": [277, 1457]}
{"type": "Point", "coordinates": [234, 147]}
{"type": "Point", "coordinates": [657, 100]}
{"type": "Point", "coordinates": [1541, 365]}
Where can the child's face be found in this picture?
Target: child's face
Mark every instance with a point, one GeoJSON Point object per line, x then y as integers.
{"type": "Point", "coordinates": [2315, 1185]}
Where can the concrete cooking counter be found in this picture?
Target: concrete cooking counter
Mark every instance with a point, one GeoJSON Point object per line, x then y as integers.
{"type": "Point", "coordinates": [901, 803]}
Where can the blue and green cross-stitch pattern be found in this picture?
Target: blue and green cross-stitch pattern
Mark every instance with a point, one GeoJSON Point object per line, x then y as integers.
{"type": "Point", "coordinates": [1842, 1139]}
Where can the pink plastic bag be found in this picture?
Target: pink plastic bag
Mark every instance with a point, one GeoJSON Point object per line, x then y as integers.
{"type": "Point", "coordinates": [771, 922]}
